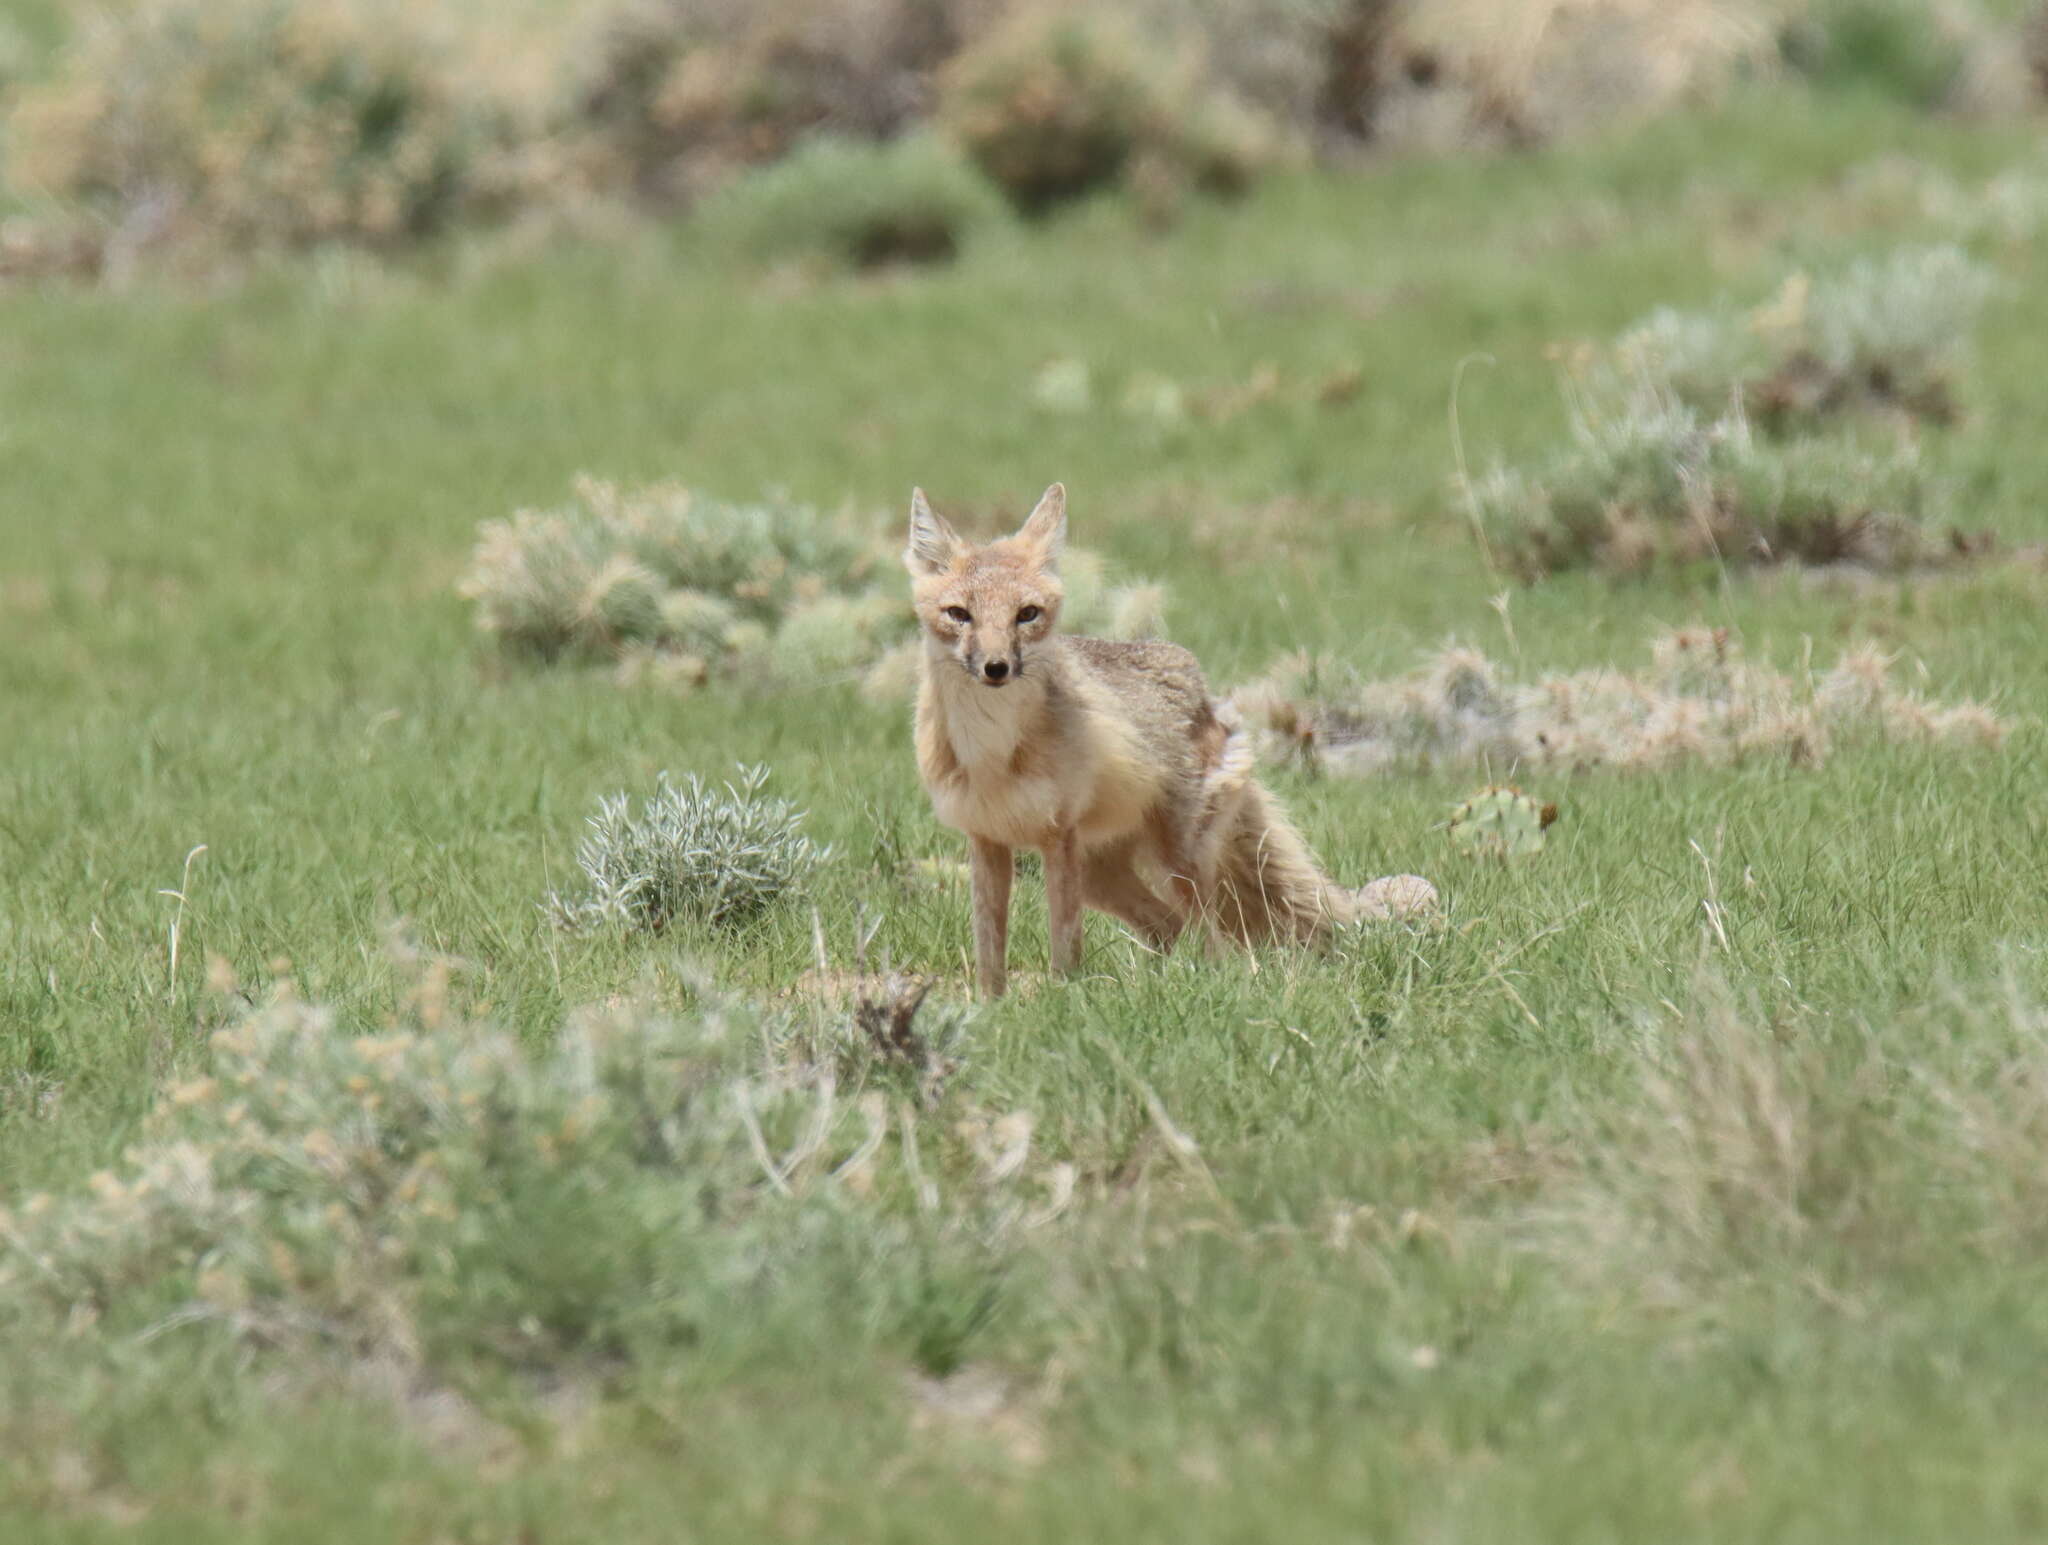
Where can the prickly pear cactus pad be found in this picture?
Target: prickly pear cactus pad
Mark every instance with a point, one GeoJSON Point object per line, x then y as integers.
{"type": "Point", "coordinates": [1501, 823]}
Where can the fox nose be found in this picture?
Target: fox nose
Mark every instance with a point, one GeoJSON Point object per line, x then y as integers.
{"type": "Point", "coordinates": [996, 670]}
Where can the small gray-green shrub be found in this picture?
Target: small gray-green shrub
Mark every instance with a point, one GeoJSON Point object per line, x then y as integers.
{"type": "Point", "coordinates": [1893, 188]}
{"type": "Point", "coordinates": [891, 1036]}
{"type": "Point", "coordinates": [1886, 333]}
{"type": "Point", "coordinates": [1698, 700]}
{"type": "Point", "coordinates": [714, 855]}
{"type": "Point", "coordinates": [682, 589]}
{"type": "Point", "coordinates": [1912, 50]}
{"type": "Point", "coordinates": [1890, 331]}
{"type": "Point", "coordinates": [246, 123]}
{"type": "Point", "coordinates": [910, 200]}
{"type": "Point", "coordinates": [674, 96]}
{"type": "Point", "coordinates": [1061, 101]}
{"type": "Point", "coordinates": [1649, 481]}
{"type": "Point", "coordinates": [658, 565]}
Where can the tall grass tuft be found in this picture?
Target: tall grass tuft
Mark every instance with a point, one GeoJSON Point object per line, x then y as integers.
{"type": "Point", "coordinates": [1771, 1148]}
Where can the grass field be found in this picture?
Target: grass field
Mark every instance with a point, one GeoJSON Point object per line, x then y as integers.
{"type": "Point", "coordinates": [1686, 1184]}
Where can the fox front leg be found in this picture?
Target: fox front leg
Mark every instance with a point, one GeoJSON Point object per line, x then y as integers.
{"type": "Point", "coordinates": [1063, 900]}
{"type": "Point", "coordinates": [991, 866]}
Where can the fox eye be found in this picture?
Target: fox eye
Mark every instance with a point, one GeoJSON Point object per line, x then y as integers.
{"type": "Point", "coordinates": [1029, 614]}
{"type": "Point", "coordinates": [959, 614]}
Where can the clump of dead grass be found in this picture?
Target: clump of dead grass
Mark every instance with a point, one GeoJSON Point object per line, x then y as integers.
{"type": "Point", "coordinates": [1700, 700]}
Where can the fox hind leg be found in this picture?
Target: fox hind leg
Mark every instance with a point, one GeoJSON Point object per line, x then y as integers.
{"type": "Point", "coordinates": [1110, 883]}
{"type": "Point", "coordinates": [1063, 872]}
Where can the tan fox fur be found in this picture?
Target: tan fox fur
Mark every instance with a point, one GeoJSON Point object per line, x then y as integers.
{"type": "Point", "coordinates": [1110, 759]}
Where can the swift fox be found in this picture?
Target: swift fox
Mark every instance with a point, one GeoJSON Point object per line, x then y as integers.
{"type": "Point", "coordinates": [1111, 759]}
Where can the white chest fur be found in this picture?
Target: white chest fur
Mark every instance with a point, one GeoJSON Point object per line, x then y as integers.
{"type": "Point", "coordinates": [1001, 788]}
{"type": "Point", "coordinates": [986, 725]}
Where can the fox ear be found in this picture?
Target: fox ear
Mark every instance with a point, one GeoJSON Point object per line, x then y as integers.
{"type": "Point", "coordinates": [933, 543]}
{"type": "Point", "coordinates": [1046, 531]}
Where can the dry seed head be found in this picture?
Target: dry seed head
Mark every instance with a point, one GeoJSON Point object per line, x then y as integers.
{"type": "Point", "coordinates": [1971, 723]}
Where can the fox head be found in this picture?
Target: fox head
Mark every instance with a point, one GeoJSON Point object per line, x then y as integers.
{"type": "Point", "coordinates": [985, 609]}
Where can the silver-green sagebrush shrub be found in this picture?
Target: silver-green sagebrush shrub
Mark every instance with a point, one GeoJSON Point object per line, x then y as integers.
{"type": "Point", "coordinates": [1060, 101]}
{"type": "Point", "coordinates": [659, 566]}
{"type": "Point", "coordinates": [1910, 50]}
{"type": "Point", "coordinates": [911, 200]}
{"type": "Point", "coordinates": [675, 96]}
{"type": "Point", "coordinates": [1886, 335]}
{"type": "Point", "coordinates": [714, 855]}
{"type": "Point", "coordinates": [1648, 480]}
{"type": "Point", "coordinates": [1891, 331]}
{"type": "Point", "coordinates": [431, 1189]}
{"type": "Point", "coordinates": [263, 123]}
{"type": "Point", "coordinates": [682, 590]}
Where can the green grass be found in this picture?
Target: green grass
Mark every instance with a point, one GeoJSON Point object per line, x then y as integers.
{"type": "Point", "coordinates": [227, 617]}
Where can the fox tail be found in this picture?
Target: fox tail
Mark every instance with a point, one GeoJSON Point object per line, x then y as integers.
{"type": "Point", "coordinates": [1254, 873]}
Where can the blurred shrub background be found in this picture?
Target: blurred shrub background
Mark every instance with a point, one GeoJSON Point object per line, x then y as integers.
{"type": "Point", "coordinates": [205, 129]}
